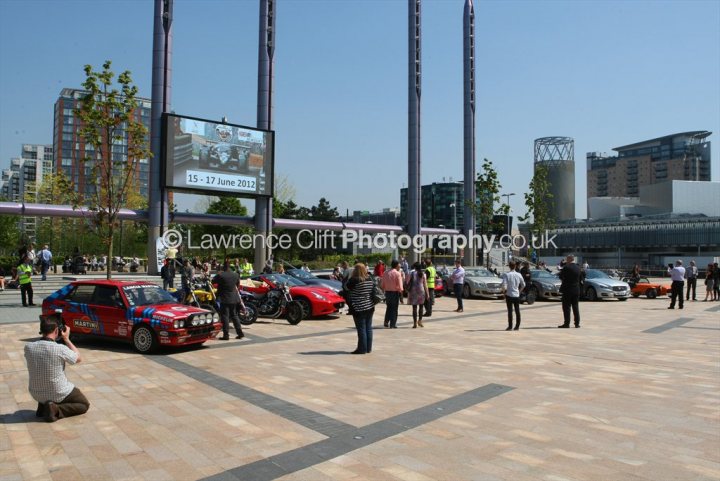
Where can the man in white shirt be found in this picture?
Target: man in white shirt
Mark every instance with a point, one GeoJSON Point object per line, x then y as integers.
{"type": "Point", "coordinates": [56, 396]}
{"type": "Point", "coordinates": [513, 284]}
{"type": "Point", "coordinates": [677, 274]}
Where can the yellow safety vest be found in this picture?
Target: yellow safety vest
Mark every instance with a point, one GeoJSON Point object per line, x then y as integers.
{"type": "Point", "coordinates": [24, 274]}
{"type": "Point", "coordinates": [431, 276]}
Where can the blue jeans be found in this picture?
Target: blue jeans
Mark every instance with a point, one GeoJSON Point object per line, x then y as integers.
{"type": "Point", "coordinates": [363, 324]}
{"type": "Point", "coordinates": [392, 300]}
{"type": "Point", "coordinates": [457, 288]}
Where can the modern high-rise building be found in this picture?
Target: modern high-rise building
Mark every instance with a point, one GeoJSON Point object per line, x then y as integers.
{"type": "Point", "coordinates": [70, 147]}
{"type": "Point", "coordinates": [682, 156]}
{"type": "Point", "coordinates": [22, 181]}
{"type": "Point", "coordinates": [442, 205]}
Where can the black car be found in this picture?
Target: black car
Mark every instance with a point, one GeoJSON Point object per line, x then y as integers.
{"type": "Point", "coordinates": [313, 280]}
{"type": "Point", "coordinates": [224, 156]}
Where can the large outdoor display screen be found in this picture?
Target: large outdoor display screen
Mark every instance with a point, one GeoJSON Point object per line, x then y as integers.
{"type": "Point", "coordinates": [209, 157]}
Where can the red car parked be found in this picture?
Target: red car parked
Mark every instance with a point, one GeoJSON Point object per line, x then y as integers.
{"type": "Point", "coordinates": [316, 301]}
{"type": "Point", "coordinates": [139, 312]}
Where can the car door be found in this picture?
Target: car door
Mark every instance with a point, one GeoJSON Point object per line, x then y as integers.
{"type": "Point", "coordinates": [76, 313]}
{"type": "Point", "coordinates": [109, 310]}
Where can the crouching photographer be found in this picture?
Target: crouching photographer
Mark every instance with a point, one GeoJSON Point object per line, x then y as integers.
{"type": "Point", "coordinates": [56, 396]}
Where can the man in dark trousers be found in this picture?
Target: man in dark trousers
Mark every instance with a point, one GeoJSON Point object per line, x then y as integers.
{"type": "Point", "coordinates": [227, 283]}
{"type": "Point", "coordinates": [571, 276]}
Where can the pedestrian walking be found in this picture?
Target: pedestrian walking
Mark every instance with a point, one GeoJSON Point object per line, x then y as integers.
{"type": "Point", "coordinates": [417, 292]}
{"type": "Point", "coordinates": [716, 282]}
{"type": "Point", "coordinates": [45, 259]}
{"type": "Point", "coordinates": [512, 285]}
{"type": "Point", "coordinates": [571, 277]}
{"type": "Point", "coordinates": [691, 274]}
{"type": "Point", "coordinates": [709, 283]}
{"type": "Point", "coordinates": [25, 272]}
{"type": "Point", "coordinates": [57, 397]}
{"type": "Point", "coordinates": [360, 286]}
{"type": "Point", "coordinates": [392, 284]}
{"type": "Point", "coordinates": [227, 283]}
{"type": "Point", "coordinates": [677, 274]}
{"type": "Point", "coordinates": [457, 278]}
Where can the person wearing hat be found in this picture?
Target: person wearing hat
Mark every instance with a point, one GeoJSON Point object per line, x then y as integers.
{"type": "Point", "coordinates": [677, 274]}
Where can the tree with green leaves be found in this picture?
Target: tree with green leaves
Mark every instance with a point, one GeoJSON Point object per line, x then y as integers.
{"type": "Point", "coordinates": [9, 233]}
{"type": "Point", "coordinates": [487, 190]}
{"type": "Point", "coordinates": [108, 118]}
{"type": "Point", "coordinates": [224, 205]}
{"type": "Point", "coordinates": [539, 203]}
{"type": "Point", "coordinates": [324, 211]}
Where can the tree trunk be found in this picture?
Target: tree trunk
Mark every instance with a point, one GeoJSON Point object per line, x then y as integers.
{"type": "Point", "coordinates": [108, 265]}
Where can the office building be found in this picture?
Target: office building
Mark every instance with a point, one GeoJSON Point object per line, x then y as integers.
{"type": "Point", "coordinates": [70, 147]}
{"type": "Point", "coordinates": [21, 182]}
{"type": "Point", "coordinates": [388, 216]}
{"type": "Point", "coordinates": [682, 156]}
{"type": "Point", "coordinates": [442, 205]}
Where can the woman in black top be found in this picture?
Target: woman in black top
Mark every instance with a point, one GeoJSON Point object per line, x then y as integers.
{"type": "Point", "coordinates": [361, 287]}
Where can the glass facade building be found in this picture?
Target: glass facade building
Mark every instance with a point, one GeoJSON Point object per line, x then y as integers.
{"type": "Point", "coordinates": [70, 147]}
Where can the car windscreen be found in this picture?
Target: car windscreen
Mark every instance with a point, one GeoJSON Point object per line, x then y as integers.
{"type": "Point", "coordinates": [478, 273]}
{"type": "Point", "coordinates": [300, 274]}
{"type": "Point", "coordinates": [284, 279]}
{"type": "Point", "coordinates": [595, 274]}
{"type": "Point", "coordinates": [145, 295]}
{"type": "Point", "coordinates": [543, 275]}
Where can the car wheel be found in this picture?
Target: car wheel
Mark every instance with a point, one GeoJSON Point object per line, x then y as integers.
{"type": "Point", "coordinates": [651, 293]}
{"type": "Point", "coordinates": [591, 294]}
{"type": "Point", "coordinates": [636, 294]}
{"type": "Point", "coordinates": [144, 340]}
{"type": "Point", "coordinates": [466, 291]}
{"type": "Point", "coordinates": [306, 307]}
{"type": "Point", "coordinates": [294, 313]}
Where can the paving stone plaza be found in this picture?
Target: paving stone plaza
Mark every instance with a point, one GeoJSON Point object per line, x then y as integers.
{"type": "Point", "coordinates": [633, 395]}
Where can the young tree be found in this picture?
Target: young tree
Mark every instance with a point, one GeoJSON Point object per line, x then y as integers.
{"type": "Point", "coordinates": [487, 190]}
{"type": "Point", "coordinates": [539, 202]}
{"type": "Point", "coordinates": [9, 233]}
{"type": "Point", "coordinates": [108, 119]}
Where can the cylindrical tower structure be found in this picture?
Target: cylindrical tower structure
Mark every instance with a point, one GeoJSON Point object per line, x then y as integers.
{"type": "Point", "coordinates": [469, 128]}
{"type": "Point", "coordinates": [161, 89]}
{"type": "Point", "coordinates": [557, 154]}
{"type": "Point", "coordinates": [414, 71]}
{"type": "Point", "coordinates": [266, 51]}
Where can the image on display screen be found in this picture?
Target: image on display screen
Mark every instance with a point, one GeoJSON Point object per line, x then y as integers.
{"type": "Point", "coordinates": [210, 156]}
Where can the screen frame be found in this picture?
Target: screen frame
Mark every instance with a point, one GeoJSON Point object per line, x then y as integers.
{"type": "Point", "coordinates": [166, 168]}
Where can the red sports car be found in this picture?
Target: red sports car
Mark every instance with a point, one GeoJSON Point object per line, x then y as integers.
{"type": "Point", "coordinates": [643, 287]}
{"type": "Point", "coordinates": [140, 312]}
{"type": "Point", "coordinates": [316, 301]}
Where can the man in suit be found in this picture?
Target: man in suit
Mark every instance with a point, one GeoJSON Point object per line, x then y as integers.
{"type": "Point", "coordinates": [571, 276]}
{"type": "Point", "coordinates": [227, 283]}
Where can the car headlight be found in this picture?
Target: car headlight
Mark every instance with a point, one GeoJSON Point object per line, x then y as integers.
{"type": "Point", "coordinates": [481, 285]}
{"type": "Point", "coordinates": [547, 287]}
{"type": "Point", "coordinates": [178, 324]}
{"type": "Point", "coordinates": [318, 296]}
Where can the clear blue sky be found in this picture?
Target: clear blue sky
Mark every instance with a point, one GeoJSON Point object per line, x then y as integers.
{"type": "Point", "coordinates": [607, 73]}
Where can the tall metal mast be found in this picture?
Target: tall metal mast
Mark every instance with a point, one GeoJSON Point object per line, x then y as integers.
{"type": "Point", "coordinates": [266, 50]}
{"type": "Point", "coordinates": [469, 128]}
{"type": "Point", "coordinates": [161, 94]}
{"type": "Point", "coordinates": [414, 78]}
